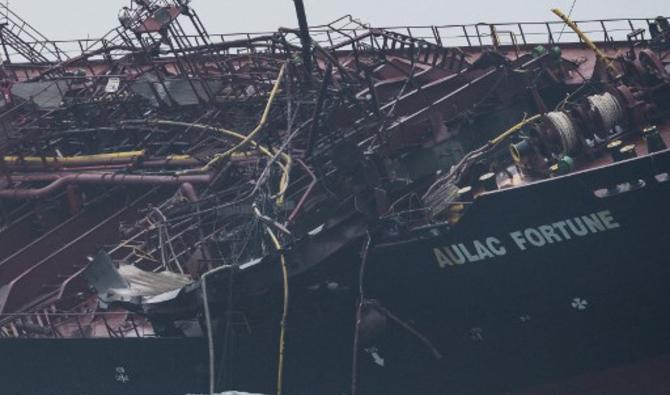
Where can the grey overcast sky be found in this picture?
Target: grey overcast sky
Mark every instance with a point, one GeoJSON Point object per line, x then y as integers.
{"type": "Point", "coordinates": [66, 19]}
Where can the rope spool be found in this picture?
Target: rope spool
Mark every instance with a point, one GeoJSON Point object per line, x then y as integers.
{"type": "Point", "coordinates": [608, 107]}
{"type": "Point", "coordinates": [566, 131]}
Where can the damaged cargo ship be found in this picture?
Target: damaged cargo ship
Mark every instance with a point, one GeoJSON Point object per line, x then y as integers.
{"type": "Point", "coordinates": [472, 209]}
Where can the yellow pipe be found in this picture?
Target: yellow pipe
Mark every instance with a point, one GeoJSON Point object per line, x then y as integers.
{"type": "Point", "coordinates": [600, 54]}
{"type": "Point", "coordinates": [101, 158]}
{"type": "Point", "coordinates": [73, 160]}
{"type": "Point", "coordinates": [179, 157]}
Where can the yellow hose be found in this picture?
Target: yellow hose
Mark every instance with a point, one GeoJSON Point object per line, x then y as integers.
{"type": "Point", "coordinates": [514, 129]}
{"type": "Point", "coordinates": [286, 168]}
{"type": "Point", "coordinates": [600, 54]}
{"type": "Point", "coordinates": [264, 118]}
{"type": "Point", "coordinates": [246, 139]}
{"type": "Point", "coordinates": [160, 122]}
{"type": "Point", "coordinates": [282, 334]}
{"type": "Point", "coordinates": [285, 179]}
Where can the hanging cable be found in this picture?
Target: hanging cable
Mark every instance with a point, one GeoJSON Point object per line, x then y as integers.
{"type": "Point", "coordinates": [365, 302]}
{"type": "Point", "coordinates": [514, 129]}
{"type": "Point", "coordinates": [208, 325]}
{"type": "Point", "coordinates": [359, 313]}
{"type": "Point", "coordinates": [572, 7]}
{"type": "Point", "coordinates": [284, 318]}
{"type": "Point", "coordinates": [600, 54]}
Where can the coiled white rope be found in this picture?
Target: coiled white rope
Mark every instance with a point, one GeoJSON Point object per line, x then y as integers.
{"type": "Point", "coordinates": [566, 131]}
{"type": "Point", "coordinates": [609, 109]}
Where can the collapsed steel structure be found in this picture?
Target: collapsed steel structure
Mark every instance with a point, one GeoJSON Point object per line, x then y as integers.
{"type": "Point", "coordinates": [168, 149]}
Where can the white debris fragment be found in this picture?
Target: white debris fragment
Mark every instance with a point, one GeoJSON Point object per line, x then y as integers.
{"type": "Point", "coordinates": [579, 304]}
{"type": "Point", "coordinates": [316, 230]}
{"type": "Point", "coordinates": [113, 85]}
{"type": "Point", "coordinates": [374, 352]}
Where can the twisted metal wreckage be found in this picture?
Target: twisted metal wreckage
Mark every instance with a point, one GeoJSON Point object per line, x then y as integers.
{"type": "Point", "coordinates": [155, 162]}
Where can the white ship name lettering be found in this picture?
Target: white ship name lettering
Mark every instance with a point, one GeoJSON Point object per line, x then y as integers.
{"type": "Point", "coordinates": [523, 240]}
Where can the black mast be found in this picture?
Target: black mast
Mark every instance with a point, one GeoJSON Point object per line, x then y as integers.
{"type": "Point", "coordinates": [305, 38]}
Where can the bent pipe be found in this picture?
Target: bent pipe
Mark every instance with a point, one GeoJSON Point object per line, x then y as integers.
{"type": "Point", "coordinates": [189, 192]}
{"type": "Point", "coordinates": [59, 181]}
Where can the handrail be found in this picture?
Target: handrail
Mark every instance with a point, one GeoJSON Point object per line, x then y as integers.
{"type": "Point", "coordinates": [474, 35]}
{"type": "Point", "coordinates": [11, 21]}
{"type": "Point", "coordinates": [71, 325]}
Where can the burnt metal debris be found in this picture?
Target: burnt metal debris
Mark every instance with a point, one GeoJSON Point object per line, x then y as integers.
{"type": "Point", "coordinates": [174, 150]}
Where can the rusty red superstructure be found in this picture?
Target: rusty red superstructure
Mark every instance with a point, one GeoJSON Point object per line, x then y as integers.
{"type": "Point", "coordinates": [163, 182]}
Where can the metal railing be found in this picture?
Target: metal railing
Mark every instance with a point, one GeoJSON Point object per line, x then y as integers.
{"type": "Point", "coordinates": [34, 41]}
{"type": "Point", "coordinates": [74, 325]}
{"type": "Point", "coordinates": [4, 11]}
{"type": "Point", "coordinates": [476, 35]}
{"type": "Point", "coordinates": [471, 36]}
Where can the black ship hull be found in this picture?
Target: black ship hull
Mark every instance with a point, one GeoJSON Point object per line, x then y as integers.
{"type": "Point", "coordinates": [543, 282]}
{"type": "Point", "coordinates": [103, 366]}
{"type": "Point", "coordinates": [548, 281]}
